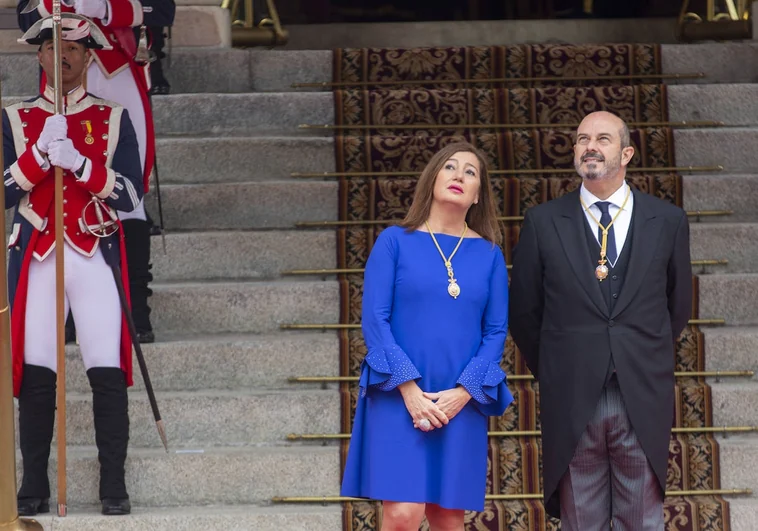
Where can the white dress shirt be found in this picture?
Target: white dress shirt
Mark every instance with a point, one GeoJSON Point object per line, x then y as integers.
{"type": "Point", "coordinates": [621, 225]}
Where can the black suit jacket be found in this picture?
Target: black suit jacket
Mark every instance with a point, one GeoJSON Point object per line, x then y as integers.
{"type": "Point", "coordinates": [565, 331]}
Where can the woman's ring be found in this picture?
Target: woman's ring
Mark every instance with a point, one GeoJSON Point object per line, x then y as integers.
{"type": "Point", "coordinates": [424, 424]}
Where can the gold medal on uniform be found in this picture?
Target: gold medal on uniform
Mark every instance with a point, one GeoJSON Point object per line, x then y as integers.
{"type": "Point", "coordinates": [87, 126]}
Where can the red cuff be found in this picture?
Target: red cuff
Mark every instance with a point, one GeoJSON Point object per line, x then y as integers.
{"type": "Point", "coordinates": [123, 13]}
{"type": "Point", "coordinates": [101, 181]}
{"type": "Point", "coordinates": [27, 172]}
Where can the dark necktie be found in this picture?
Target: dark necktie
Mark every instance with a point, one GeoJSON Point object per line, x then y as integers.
{"type": "Point", "coordinates": [605, 220]}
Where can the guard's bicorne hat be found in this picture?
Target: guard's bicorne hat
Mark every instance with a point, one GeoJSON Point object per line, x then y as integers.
{"type": "Point", "coordinates": [74, 28]}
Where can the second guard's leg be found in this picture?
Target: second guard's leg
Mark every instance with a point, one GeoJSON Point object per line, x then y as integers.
{"type": "Point", "coordinates": [97, 311]}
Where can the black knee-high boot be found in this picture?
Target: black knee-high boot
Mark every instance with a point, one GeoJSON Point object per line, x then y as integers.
{"type": "Point", "coordinates": [110, 405]}
{"type": "Point", "coordinates": [137, 239]}
{"type": "Point", "coordinates": [36, 419]}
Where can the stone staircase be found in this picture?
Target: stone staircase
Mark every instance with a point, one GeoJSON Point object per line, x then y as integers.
{"type": "Point", "coordinates": [228, 142]}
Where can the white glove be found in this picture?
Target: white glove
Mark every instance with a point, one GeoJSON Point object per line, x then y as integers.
{"type": "Point", "coordinates": [91, 8]}
{"type": "Point", "coordinates": [63, 154]}
{"type": "Point", "coordinates": [56, 128]}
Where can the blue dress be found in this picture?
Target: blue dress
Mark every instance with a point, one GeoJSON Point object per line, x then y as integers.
{"type": "Point", "coordinates": [414, 330]}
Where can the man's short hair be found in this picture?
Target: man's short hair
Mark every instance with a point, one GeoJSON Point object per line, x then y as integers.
{"type": "Point", "coordinates": [626, 140]}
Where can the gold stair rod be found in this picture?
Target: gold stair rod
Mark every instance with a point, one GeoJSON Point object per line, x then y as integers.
{"type": "Point", "coordinates": [356, 326]}
{"type": "Point", "coordinates": [371, 127]}
{"type": "Point", "coordinates": [553, 79]}
{"type": "Point", "coordinates": [709, 262]}
{"type": "Point", "coordinates": [296, 272]}
{"type": "Point", "coordinates": [514, 377]}
{"type": "Point", "coordinates": [503, 497]}
{"type": "Point", "coordinates": [367, 222]}
{"type": "Point", "coordinates": [358, 174]}
{"type": "Point", "coordinates": [527, 433]}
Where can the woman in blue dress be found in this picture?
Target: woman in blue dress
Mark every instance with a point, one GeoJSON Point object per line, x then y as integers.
{"type": "Point", "coordinates": [435, 315]}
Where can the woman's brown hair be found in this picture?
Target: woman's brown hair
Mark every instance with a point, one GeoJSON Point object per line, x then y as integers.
{"type": "Point", "coordinates": [481, 217]}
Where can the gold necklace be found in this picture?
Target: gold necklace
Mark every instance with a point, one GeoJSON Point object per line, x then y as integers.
{"type": "Point", "coordinates": [601, 271]}
{"type": "Point", "coordinates": [452, 288]}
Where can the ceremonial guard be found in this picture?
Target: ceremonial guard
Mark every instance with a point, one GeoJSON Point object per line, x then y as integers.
{"type": "Point", "coordinates": [122, 75]}
{"type": "Point", "coordinates": [94, 143]}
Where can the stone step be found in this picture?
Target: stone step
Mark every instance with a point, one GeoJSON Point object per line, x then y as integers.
{"type": "Point", "coordinates": [228, 518]}
{"type": "Point", "coordinates": [227, 362]}
{"type": "Point", "coordinates": [735, 192]}
{"type": "Point", "coordinates": [261, 205]}
{"type": "Point", "coordinates": [736, 242]}
{"type": "Point", "coordinates": [233, 70]}
{"type": "Point", "coordinates": [731, 348]}
{"type": "Point", "coordinates": [733, 104]}
{"type": "Point", "coordinates": [258, 307]}
{"type": "Point", "coordinates": [731, 297]}
{"type": "Point", "coordinates": [738, 456]}
{"type": "Point", "coordinates": [744, 513]}
{"type": "Point", "coordinates": [241, 255]}
{"type": "Point", "coordinates": [217, 476]}
{"type": "Point", "coordinates": [731, 147]}
{"type": "Point", "coordinates": [735, 402]}
{"type": "Point", "coordinates": [240, 114]}
{"type": "Point", "coordinates": [239, 159]}
{"type": "Point", "coordinates": [204, 419]}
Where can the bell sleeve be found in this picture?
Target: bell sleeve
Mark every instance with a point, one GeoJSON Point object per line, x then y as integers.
{"type": "Point", "coordinates": [483, 377]}
{"type": "Point", "coordinates": [386, 365]}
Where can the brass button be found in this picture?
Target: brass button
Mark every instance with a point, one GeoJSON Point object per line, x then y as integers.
{"type": "Point", "coordinates": [106, 122]}
{"type": "Point", "coordinates": [105, 153]}
{"type": "Point", "coordinates": [24, 124]}
{"type": "Point", "coordinates": [105, 136]}
{"type": "Point", "coordinates": [64, 189]}
{"type": "Point", "coordinates": [102, 108]}
{"type": "Point", "coordinates": [18, 248]}
{"type": "Point", "coordinates": [30, 205]}
{"type": "Point", "coordinates": [26, 140]}
{"type": "Point", "coordinates": [26, 111]}
{"type": "Point", "coordinates": [65, 201]}
{"type": "Point", "coordinates": [65, 214]}
{"type": "Point", "coordinates": [65, 227]}
{"type": "Point", "coordinates": [47, 232]}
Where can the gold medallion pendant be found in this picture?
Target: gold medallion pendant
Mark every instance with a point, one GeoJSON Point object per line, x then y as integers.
{"type": "Point", "coordinates": [601, 272]}
{"type": "Point", "coordinates": [453, 289]}
{"type": "Point", "coordinates": [89, 140]}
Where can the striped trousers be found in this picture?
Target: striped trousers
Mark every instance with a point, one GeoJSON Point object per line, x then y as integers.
{"type": "Point", "coordinates": [609, 480]}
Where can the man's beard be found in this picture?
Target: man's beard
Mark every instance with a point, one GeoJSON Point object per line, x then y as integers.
{"type": "Point", "coordinates": [593, 173]}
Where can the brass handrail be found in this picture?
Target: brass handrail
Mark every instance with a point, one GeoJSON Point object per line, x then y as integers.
{"type": "Point", "coordinates": [515, 80]}
{"type": "Point", "coordinates": [513, 377]}
{"type": "Point", "coordinates": [356, 326]}
{"type": "Point", "coordinates": [368, 222]}
{"type": "Point", "coordinates": [526, 433]}
{"type": "Point", "coordinates": [503, 497]}
{"type": "Point", "coordinates": [369, 127]}
{"type": "Point", "coordinates": [360, 271]}
{"type": "Point", "coordinates": [359, 174]}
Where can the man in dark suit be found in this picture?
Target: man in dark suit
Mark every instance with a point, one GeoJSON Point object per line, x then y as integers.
{"type": "Point", "coordinates": [601, 288]}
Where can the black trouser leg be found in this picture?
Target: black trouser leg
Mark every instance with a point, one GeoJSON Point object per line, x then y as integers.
{"type": "Point", "coordinates": [36, 419]}
{"type": "Point", "coordinates": [110, 405]}
{"type": "Point", "coordinates": [160, 84]}
{"type": "Point", "coordinates": [137, 239]}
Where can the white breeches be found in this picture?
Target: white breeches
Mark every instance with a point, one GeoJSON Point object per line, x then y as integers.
{"type": "Point", "coordinates": [123, 89]}
{"type": "Point", "coordinates": [91, 293]}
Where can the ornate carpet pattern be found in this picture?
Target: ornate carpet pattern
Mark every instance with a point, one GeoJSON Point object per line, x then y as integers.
{"type": "Point", "coordinates": [540, 117]}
